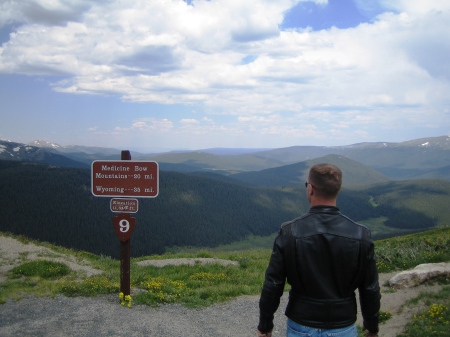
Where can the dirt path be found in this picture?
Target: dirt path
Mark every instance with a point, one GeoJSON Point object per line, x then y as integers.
{"type": "Point", "coordinates": [13, 253]}
{"type": "Point", "coordinates": [393, 302]}
{"type": "Point", "coordinates": [103, 316]}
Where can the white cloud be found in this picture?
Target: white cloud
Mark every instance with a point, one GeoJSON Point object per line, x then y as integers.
{"type": "Point", "coordinates": [415, 7]}
{"type": "Point", "coordinates": [230, 58]}
{"type": "Point", "coordinates": [144, 125]}
{"type": "Point", "coordinates": [189, 121]}
{"type": "Point", "coordinates": [47, 12]}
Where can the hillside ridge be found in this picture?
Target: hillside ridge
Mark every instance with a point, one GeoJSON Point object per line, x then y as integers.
{"type": "Point", "coordinates": [412, 159]}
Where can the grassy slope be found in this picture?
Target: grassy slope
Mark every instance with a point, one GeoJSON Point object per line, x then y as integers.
{"type": "Point", "coordinates": [429, 196]}
{"type": "Point", "coordinates": [206, 284]}
{"type": "Point", "coordinates": [202, 285]}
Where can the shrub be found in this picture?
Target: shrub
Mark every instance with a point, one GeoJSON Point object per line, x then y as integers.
{"type": "Point", "coordinates": [91, 286]}
{"type": "Point", "coordinates": [161, 290]}
{"type": "Point", "coordinates": [434, 321]}
{"type": "Point", "coordinates": [411, 250]}
{"type": "Point", "coordinates": [41, 268]}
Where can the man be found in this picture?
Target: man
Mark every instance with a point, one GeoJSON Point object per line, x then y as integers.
{"type": "Point", "coordinates": [325, 257]}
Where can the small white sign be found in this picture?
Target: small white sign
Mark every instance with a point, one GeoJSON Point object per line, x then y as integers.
{"type": "Point", "coordinates": [124, 205]}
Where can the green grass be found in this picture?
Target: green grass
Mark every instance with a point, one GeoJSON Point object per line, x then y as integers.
{"type": "Point", "coordinates": [250, 242]}
{"type": "Point", "coordinates": [408, 251]}
{"type": "Point", "coordinates": [434, 319]}
{"type": "Point", "coordinates": [92, 286]}
{"type": "Point", "coordinates": [203, 285]}
{"type": "Point", "coordinates": [41, 268]}
{"type": "Point", "coordinates": [198, 285]}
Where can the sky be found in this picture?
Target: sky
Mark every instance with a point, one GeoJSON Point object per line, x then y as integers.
{"type": "Point", "coordinates": [171, 74]}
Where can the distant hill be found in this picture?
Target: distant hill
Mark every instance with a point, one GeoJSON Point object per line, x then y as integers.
{"type": "Point", "coordinates": [83, 154]}
{"type": "Point", "coordinates": [75, 148]}
{"type": "Point", "coordinates": [28, 153]}
{"type": "Point", "coordinates": [205, 161]}
{"type": "Point", "coordinates": [354, 173]}
{"type": "Point", "coordinates": [440, 173]}
{"type": "Point", "coordinates": [427, 197]}
{"type": "Point", "coordinates": [414, 159]}
{"type": "Point", "coordinates": [216, 159]}
{"type": "Point", "coordinates": [56, 205]}
{"type": "Point", "coordinates": [399, 161]}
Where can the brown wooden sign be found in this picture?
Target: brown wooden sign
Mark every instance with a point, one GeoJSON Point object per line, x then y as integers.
{"type": "Point", "coordinates": [125, 178]}
{"type": "Point", "coordinates": [124, 225]}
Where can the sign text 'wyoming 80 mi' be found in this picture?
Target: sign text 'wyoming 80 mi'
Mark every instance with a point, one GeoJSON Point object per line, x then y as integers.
{"type": "Point", "coordinates": [124, 178]}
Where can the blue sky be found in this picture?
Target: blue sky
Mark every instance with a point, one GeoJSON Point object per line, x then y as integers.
{"type": "Point", "coordinates": [173, 74]}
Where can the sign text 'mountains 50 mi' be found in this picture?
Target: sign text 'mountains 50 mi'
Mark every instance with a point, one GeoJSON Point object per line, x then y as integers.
{"type": "Point", "coordinates": [124, 178]}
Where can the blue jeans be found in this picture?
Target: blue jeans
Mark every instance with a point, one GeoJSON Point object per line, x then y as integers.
{"type": "Point", "coordinates": [297, 330]}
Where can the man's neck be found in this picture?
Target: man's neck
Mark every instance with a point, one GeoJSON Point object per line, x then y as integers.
{"type": "Point", "coordinates": [323, 202]}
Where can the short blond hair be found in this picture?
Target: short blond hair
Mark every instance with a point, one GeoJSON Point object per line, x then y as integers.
{"type": "Point", "coordinates": [326, 179]}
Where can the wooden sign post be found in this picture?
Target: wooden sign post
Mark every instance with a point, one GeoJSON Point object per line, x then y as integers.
{"type": "Point", "coordinates": [124, 179]}
{"type": "Point", "coordinates": [125, 251]}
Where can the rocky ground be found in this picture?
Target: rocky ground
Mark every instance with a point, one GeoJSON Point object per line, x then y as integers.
{"type": "Point", "coordinates": [103, 316]}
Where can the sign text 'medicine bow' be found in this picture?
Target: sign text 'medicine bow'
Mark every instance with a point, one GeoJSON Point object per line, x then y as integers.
{"type": "Point", "coordinates": [124, 178]}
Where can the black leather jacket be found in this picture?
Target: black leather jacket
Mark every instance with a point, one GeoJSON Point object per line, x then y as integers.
{"type": "Point", "coordinates": [325, 257]}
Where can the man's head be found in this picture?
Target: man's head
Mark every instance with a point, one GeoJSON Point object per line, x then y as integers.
{"type": "Point", "coordinates": [325, 181]}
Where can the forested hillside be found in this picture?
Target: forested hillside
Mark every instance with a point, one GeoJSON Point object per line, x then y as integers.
{"type": "Point", "coordinates": [56, 205]}
{"type": "Point", "coordinates": [424, 200]}
{"type": "Point", "coordinates": [354, 173]}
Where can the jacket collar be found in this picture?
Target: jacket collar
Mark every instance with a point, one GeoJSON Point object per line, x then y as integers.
{"type": "Point", "coordinates": [324, 209]}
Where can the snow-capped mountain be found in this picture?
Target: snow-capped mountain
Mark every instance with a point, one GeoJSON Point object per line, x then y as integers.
{"type": "Point", "coordinates": [75, 148]}
{"type": "Point", "coordinates": [442, 142]}
{"type": "Point", "coordinates": [413, 159]}
{"type": "Point", "coordinates": [28, 153]}
{"type": "Point", "coordinates": [43, 143]}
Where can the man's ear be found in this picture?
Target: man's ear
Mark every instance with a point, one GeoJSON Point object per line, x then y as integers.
{"type": "Point", "coordinates": [309, 192]}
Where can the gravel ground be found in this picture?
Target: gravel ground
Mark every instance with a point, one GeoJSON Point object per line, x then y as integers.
{"type": "Point", "coordinates": [103, 315]}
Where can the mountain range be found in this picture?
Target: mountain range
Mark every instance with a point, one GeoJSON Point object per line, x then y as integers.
{"type": "Point", "coordinates": [415, 159]}
{"type": "Point", "coordinates": [219, 196]}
